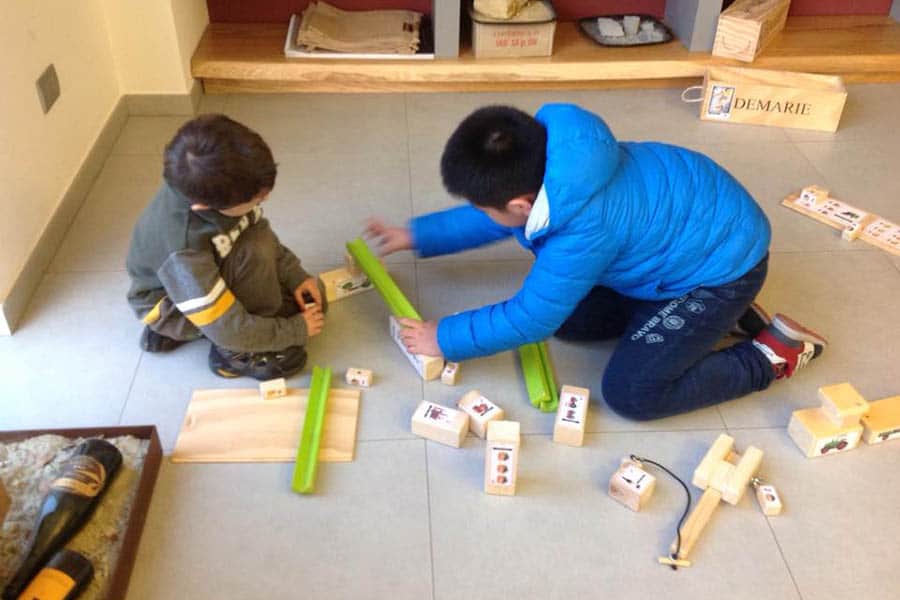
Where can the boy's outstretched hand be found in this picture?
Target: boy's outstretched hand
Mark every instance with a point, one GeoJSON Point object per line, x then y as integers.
{"type": "Point", "coordinates": [420, 337]}
{"type": "Point", "coordinates": [388, 238]}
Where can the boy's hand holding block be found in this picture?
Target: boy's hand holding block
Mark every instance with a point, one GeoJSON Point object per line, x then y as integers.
{"type": "Point", "coordinates": [440, 424]}
{"type": "Point", "coordinates": [450, 373]}
{"type": "Point", "coordinates": [501, 459]}
{"type": "Point", "coordinates": [273, 388]}
{"type": "Point", "coordinates": [428, 367]}
{"type": "Point", "coordinates": [631, 485]}
{"type": "Point", "coordinates": [481, 412]}
{"type": "Point", "coordinates": [360, 377]}
{"type": "Point", "coordinates": [571, 415]}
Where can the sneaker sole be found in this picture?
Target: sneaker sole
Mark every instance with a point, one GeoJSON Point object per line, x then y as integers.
{"type": "Point", "coordinates": [791, 328]}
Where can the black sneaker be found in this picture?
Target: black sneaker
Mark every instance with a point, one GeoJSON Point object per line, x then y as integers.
{"type": "Point", "coordinates": [258, 365]}
{"type": "Point", "coordinates": [155, 342]}
{"type": "Point", "coordinates": [752, 322]}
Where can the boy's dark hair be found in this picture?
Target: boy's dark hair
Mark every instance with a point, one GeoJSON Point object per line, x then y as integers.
{"type": "Point", "coordinates": [218, 162]}
{"type": "Point", "coordinates": [496, 154]}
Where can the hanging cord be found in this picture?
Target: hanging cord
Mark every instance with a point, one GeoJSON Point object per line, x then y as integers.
{"type": "Point", "coordinates": [687, 507]}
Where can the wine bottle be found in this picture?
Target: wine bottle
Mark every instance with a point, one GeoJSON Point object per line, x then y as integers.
{"type": "Point", "coordinates": [66, 507]}
{"type": "Point", "coordinates": [64, 578]}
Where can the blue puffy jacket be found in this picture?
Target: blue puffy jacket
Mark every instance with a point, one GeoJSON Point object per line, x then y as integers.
{"type": "Point", "coordinates": [649, 220]}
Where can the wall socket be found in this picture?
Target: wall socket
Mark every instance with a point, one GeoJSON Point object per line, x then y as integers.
{"type": "Point", "coordinates": [48, 88]}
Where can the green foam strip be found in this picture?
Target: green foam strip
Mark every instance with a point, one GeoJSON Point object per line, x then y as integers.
{"type": "Point", "coordinates": [549, 379]}
{"type": "Point", "coordinates": [396, 301]}
{"type": "Point", "coordinates": [535, 382]}
{"type": "Point", "coordinates": [308, 453]}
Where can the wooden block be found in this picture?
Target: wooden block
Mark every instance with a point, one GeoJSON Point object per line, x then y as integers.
{"type": "Point", "coordinates": [853, 231]}
{"type": "Point", "coordinates": [813, 195]}
{"type": "Point", "coordinates": [816, 435]}
{"type": "Point", "coordinates": [440, 424]}
{"type": "Point", "coordinates": [748, 26]}
{"type": "Point", "coordinates": [715, 455]}
{"type": "Point", "coordinates": [739, 479]}
{"type": "Point", "coordinates": [842, 404]}
{"type": "Point", "coordinates": [631, 485]}
{"type": "Point", "coordinates": [4, 503]}
{"type": "Point", "coordinates": [360, 377]}
{"type": "Point", "coordinates": [340, 283]}
{"type": "Point", "coordinates": [450, 373]}
{"type": "Point", "coordinates": [237, 425]}
{"type": "Point", "coordinates": [274, 388]}
{"type": "Point", "coordinates": [571, 415]}
{"type": "Point", "coordinates": [768, 498]}
{"type": "Point", "coordinates": [351, 265]}
{"type": "Point", "coordinates": [882, 422]}
{"type": "Point", "coordinates": [696, 522]}
{"type": "Point", "coordinates": [481, 411]}
{"type": "Point", "coordinates": [501, 459]}
{"type": "Point", "coordinates": [428, 367]}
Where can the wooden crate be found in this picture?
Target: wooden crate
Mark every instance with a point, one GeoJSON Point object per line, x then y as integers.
{"type": "Point", "coordinates": [746, 27]}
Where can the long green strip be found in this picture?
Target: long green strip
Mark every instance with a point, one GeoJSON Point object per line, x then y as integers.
{"type": "Point", "coordinates": [308, 452]}
{"type": "Point", "coordinates": [535, 383]}
{"type": "Point", "coordinates": [549, 380]}
{"type": "Point", "coordinates": [396, 301]}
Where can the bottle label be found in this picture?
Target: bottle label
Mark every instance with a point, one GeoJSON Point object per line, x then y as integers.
{"type": "Point", "coordinates": [82, 475]}
{"type": "Point", "coordinates": [50, 584]}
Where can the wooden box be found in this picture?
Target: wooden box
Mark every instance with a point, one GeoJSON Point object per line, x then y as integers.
{"type": "Point", "coordinates": [747, 26]}
{"type": "Point", "coordinates": [529, 33]}
{"type": "Point", "coordinates": [121, 571]}
{"type": "Point", "coordinates": [777, 98]}
{"type": "Point", "coordinates": [440, 424]}
{"type": "Point", "coordinates": [816, 435]}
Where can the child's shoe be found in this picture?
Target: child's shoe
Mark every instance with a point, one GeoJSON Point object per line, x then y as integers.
{"type": "Point", "coordinates": [788, 345]}
{"type": "Point", "coordinates": [752, 322]}
{"type": "Point", "coordinates": [156, 342]}
{"type": "Point", "coordinates": [258, 365]}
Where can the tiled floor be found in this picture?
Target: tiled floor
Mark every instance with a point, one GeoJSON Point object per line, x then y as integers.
{"type": "Point", "coordinates": [408, 519]}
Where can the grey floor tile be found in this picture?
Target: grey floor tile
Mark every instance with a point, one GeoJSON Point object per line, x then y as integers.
{"type": "Point", "coordinates": [850, 297]}
{"type": "Point", "coordinates": [446, 288]}
{"type": "Point", "coordinates": [148, 135]}
{"type": "Point", "coordinates": [73, 358]}
{"type": "Point", "coordinates": [838, 531]}
{"type": "Point", "coordinates": [869, 115]}
{"type": "Point", "coordinates": [562, 536]}
{"type": "Point", "coordinates": [238, 531]}
{"type": "Point", "coordinates": [98, 239]}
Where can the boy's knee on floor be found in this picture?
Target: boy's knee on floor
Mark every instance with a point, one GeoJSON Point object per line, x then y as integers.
{"type": "Point", "coordinates": [628, 401]}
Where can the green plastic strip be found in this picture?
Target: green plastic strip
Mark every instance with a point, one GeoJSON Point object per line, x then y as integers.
{"type": "Point", "coordinates": [396, 301]}
{"type": "Point", "coordinates": [549, 380]}
{"type": "Point", "coordinates": [535, 383]}
{"type": "Point", "coordinates": [308, 452]}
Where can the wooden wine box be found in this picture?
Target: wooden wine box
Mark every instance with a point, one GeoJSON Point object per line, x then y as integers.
{"type": "Point", "coordinates": [120, 573]}
{"type": "Point", "coordinates": [746, 27]}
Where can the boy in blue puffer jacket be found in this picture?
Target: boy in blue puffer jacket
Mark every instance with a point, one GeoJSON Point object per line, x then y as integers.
{"type": "Point", "coordinates": [654, 244]}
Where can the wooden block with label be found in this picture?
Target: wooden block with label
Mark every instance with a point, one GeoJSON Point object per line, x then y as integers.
{"type": "Point", "coordinates": [481, 411]}
{"type": "Point", "coordinates": [882, 422]}
{"type": "Point", "coordinates": [571, 415]}
{"type": "Point", "coordinates": [450, 373]}
{"type": "Point", "coordinates": [440, 424]}
{"type": "Point", "coordinates": [842, 404]}
{"type": "Point", "coordinates": [341, 283]}
{"type": "Point", "coordinates": [501, 459]}
{"type": "Point", "coordinates": [428, 367]}
{"type": "Point", "coordinates": [631, 485]}
{"type": "Point", "coordinates": [273, 388]}
{"type": "Point", "coordinates": [768, 498]}
{"type": "Point", "coordinates": [816, 435]}
{"type": "Point", "coordinates": [360, 377]}
{"type": "Point", "coordinates": [748, 26]}
{"type": "Point", "coordinates": [4, 502]}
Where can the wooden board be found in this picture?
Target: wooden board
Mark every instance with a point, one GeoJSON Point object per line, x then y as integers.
{"type": "Point", "coordinates": [879, 232]}
{"type": "Point", "coordinates": [231, 425]}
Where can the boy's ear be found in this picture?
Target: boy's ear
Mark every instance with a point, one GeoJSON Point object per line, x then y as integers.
{"type": "Point", "coordinates": [521, 205]}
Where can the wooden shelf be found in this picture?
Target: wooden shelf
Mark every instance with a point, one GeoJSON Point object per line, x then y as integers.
{"type": "Point", "coordinates": [249, 58]}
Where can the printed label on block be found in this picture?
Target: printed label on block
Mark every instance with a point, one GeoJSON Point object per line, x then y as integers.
{"type": "Point", "coordinates": [348, 286]}
{"type": "Point", "coordinates": [572, 410]}
{"type": "Point", "coordinates": [634, 477]}
{"type": "Point", "coordinates": [479, 408]}
{"type": "Point", "coordinates": [438, 415]}
{"type": "Point", "coordinates": [838, 443]}
{"type": "Point", "coordinates": [502, 462]}
{"type": "Point", "coordinates": [887, 435]}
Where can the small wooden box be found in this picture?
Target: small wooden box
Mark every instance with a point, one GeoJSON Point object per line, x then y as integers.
{"type": "Point", "coordinates": [571, 415]}
{"type": "Point", "coordinates": [746, 27]}
{"type": "Point", "coordinates": [450, 373]}
{"type": "Point", "coordinates": [816, 435]}
{"type": "Point", "coordinates": [360, 377]}
{"type": "Point", "coordinates": [769, 500]}
{"type": "Point", "coordinates": [631, 485]}
{"type": "Point", "coordinates": [273, 388]}
{"type": "Point", "coordinates": [440, 424]}
{"type": "Point", "coordinates": [501, 458]}
{"type": "Point", "coordinates": [882, 422]}
{"type": "Point", "coordinates": [481, 411]}
{"type": "Point", "coordinates": [529, 33]}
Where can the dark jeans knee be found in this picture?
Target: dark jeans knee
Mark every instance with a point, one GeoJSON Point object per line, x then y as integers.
{"type": "Point", "coordinates": [631, 401]}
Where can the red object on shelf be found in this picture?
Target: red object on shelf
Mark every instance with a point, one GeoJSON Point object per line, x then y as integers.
{"type": "Point", "coordinates": [277, 11]}
{"type": "Point", "coordinates": [807, 8]}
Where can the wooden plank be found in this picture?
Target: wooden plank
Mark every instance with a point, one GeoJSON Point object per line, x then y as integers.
{"type": "Point", "coordinates": [236, 425]}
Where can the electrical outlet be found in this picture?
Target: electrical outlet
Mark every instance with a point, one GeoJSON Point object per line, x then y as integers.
{"type": "Point", "coordinates": [48, 88]}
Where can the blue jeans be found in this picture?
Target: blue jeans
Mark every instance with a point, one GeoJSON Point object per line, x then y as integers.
{"type": "Point", "coordinates": [664, 363]}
